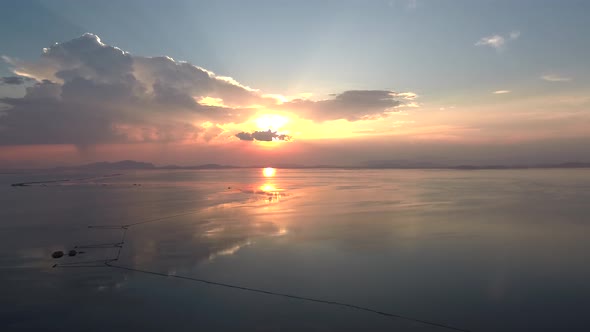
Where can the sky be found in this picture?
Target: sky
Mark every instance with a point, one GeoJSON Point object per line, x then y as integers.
{"type": "Point", "coordinates": [294, 82]}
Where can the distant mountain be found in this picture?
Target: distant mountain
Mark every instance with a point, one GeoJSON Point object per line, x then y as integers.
{"type": "Point", "coordinates": [400, 164]}
{"type": "Point", "coordinates": [118, 165]}
{"type": "Point", "coordinates": [404, 164]}
{"type": "Point", "coordinates": [206, 166]}
{"type": "Point", "coordinates": [572, 165]}
{"type": "Point", "coordinates": [374, 164]}
{"type": "Point", "coordinates": [561, 165]}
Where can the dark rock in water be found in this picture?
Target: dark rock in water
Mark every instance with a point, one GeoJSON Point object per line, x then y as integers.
{"type": "Point", "coordinates": [57, 254]}
{"type": "Point", "coordinates": [72, 253]}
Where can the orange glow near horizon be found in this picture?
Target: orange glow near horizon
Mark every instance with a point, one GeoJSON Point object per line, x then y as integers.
{"type": "Point", "coordinates": [269, 172]}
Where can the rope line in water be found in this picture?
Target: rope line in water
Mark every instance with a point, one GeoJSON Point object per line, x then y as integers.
{"type": "Point", "coordinates": [122, 242]}
{"type": "Point", "coordinates": [77, 266]}
{"type": "Point", "coordinates": [125, 226]}
{"type": "Point", "coordinates": [119, 245]}
{"type": "Point", "coordinates": [25, 184]}
{"type": "Point", "coordinates": [82, 263]}
{"type": "Point", "coordinates": [107, 226]}
{"type": "Point", "coordinates": [100, 246]}
{"type": "Point", "coordinates": [303, 298]}
{"type": "Point", "coordinates": [164, 218]}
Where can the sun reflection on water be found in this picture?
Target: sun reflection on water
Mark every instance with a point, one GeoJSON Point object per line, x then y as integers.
{"type": "Point", "coordinates": [274, 194]}
{"type": "Point", "coordinates": [269, 172]}
{"type": "Point", "coordinates": [268, 188]}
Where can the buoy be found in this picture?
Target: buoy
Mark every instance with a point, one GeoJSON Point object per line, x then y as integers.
{"type": "Point", "coordinates": [72, 253]}
{"type": "Point", "coordinates": [57, 254]}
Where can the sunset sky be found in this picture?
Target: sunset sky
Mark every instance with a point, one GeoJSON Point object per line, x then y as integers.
{"type": "Point", "coordinates": [304, 82]}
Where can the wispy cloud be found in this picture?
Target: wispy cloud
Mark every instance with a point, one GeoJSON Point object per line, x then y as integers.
{"type": "Point", "coordinates": [514, 35]}
{"type": "Point", "coordinates": [501, 92]}
{"type": "Point", "coordinates": [408, 4]}
{"type": "Point", "coordinates": [497, 41]}
{"type": "Point", "coordinates": [555, 78]}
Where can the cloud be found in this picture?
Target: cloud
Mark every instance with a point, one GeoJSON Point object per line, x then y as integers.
{"type": "Point", "coordinates": [497, 41]}
{"type": "Point", "coordinates": [211, 132]}
{"type": "Point", "coordinates": [265, 136]}
{"type": "Point", "coordinates": [352, 105]}
{"type": "Point", "coordinates": [87, 92]}
{"type": "Point", "coordinates": [407, 4]}
{"type": "Point", "coordinates": [15, 80]}
{"type": "Point", "coordinates": [555, 78]}
{"type": "Point", "coordinates": [514, 35]}
{"type": "Point", "coordinates": [501, 92]}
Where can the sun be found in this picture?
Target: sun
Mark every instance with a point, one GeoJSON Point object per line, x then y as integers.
{"type": "Point", "coordinates": [273, 122]}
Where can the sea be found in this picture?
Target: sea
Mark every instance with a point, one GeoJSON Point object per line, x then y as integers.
{"type": "Point", "coordinates": [296, 250]}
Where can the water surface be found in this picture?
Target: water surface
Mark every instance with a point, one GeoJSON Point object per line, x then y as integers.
{"type": "Point", "coordinates": [498, 250]}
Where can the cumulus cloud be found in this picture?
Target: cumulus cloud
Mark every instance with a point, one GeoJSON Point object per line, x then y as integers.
{"type": "Point", "coordinates": [192, 81]}
{"type": "Point", "coordinates": [555, 78]}
{"type": "Point", "coordinates": [265, 136]}
{"type": "Point", "coordinates": [352, 105]}
{"type": "Point", "coordinates": [497, 41]}
{"type": "Point", "coordinates": [88, 92]}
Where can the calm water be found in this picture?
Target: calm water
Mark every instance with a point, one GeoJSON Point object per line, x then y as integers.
{"type": "Point", "coordinates": [483, 250]}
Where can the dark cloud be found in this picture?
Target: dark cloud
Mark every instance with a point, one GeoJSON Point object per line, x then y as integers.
{"type": "Point", "coordinates": [15, 80]}
{"type": "Point", "coordinates": [244, 136]}
{"type": "Point", "coordinates": [351, 105]}
{"type": "Point", "coordinates": [265, 136]}
{"type": "Point", "coordinates": [53, 123]}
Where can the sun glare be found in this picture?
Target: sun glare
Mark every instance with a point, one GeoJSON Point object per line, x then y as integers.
{"type": "Point", "coordinates": [271, 121]}
{"type": "Point", "coordinates": [269, 172]}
